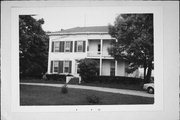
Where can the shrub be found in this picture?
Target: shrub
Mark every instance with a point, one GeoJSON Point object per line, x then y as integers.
{"type": "Point", "coordinates": [56, 77]}
{"type": "Point", "coordinates": [44, 77]}
{"type": "Point", "coordinates": [88, 69]}
{"type": "Point", "coordinates": [117, 79]}
{"type": "Point", "coordinates": [31, 76]}
{"type": "Point", "coordinates": [93, 99]}
{"type": "Point", "coordinates": [74, 80]}
{"type": "Point", "coordinates": [64, 89]}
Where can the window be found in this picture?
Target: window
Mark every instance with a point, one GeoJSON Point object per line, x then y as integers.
{"type": "Point", "coordinates": [77, 68]}
{"type": "Point", "coordinates": [112, 72]}
{"type": "Point", "coordinates": [79, 46]}
{"type": "Point", "coordinates": [56, 66]}
{"type": "Point", "coordinates": [112, 69]}
{"type": "Point", "coordinates": [66, 66]}
{"type": "Point", "coordinates": [62, 46]}
{"type": "Point", "coordinates": [67, 46]}
{"type": "Point", "coordinates": [99, 48]}
{"type": "Point", "coordinates": [61, 66]}
{"type": "Point", "coordinates": [56, 46]}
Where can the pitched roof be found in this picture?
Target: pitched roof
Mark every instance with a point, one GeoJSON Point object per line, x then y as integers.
{"type": "Point", "coordinates": [91, 29]}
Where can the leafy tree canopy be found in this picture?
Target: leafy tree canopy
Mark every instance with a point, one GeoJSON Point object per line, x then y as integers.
{"type": "Point", "coordinates": [134, 41]}
{"type": "Point", "coordinates": [33, 46]}
{"type": "Point", "coordinates": [88, 69]}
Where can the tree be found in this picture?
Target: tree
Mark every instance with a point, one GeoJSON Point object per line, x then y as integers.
{"type": "Point", "coordinates": [134, 41]}
{"type": "Point", "coordinates": [88, 69]}
{"type": "Point", "coordinates": [33, 46]}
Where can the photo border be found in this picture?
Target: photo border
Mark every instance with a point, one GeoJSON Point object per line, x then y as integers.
{"type": "Point", "coordinates": [158, 71]}
{"type": "Point", "coordinates": [170, 54]}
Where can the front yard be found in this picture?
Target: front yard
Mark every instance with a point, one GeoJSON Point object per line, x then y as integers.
{"type": "Point", "coordinates": [41, 95]}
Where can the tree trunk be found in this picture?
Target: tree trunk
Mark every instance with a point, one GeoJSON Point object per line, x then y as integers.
{"type": "Point", "coordinates": [145, 72]}
{"type": "Point", "coordinates": [145, 67]}
{"type": "Point", "coordinates": [148, 77]}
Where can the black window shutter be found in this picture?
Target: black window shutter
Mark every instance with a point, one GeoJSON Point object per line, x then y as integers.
{"type": "Point", "coordinates": [52, 49]}
{"type": "Point", "coordinates": [61, 49]}
{"type": "Point", "coordinates": [51, 70]}
{"type": "Point", "coordinates": [60, 66]}
{"type": "Point", "coordinates": [84, 46]}
{"type": "Point", "coordinates": [70, 65]}
{"type": "Point", "coordinates": [59, 46]}
{"type": "Point", "coordinates": [75, 48]}
{"type": "Point", "coordinates": [71, 46]}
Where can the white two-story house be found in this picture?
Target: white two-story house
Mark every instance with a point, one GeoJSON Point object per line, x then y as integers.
{"type": "Point", "coordinates": [68, 46]}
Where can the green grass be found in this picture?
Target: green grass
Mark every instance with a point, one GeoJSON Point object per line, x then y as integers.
{"type": "Point", "coordinates": [40, 95]}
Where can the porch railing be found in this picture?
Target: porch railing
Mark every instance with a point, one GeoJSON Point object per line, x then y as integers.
{"type": "Point", "coordinates": [93, 53]}
{"type": "Point", "coordinates": [97, 54]}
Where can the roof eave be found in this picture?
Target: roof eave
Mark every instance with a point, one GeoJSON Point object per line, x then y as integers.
{"type": "Point", "coordinates": [75, 33]}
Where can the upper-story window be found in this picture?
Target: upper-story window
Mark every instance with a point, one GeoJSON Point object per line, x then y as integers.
{"type": "Point", "coordinates": [67, 46]}
{"type": "Point", "coordinates": [80, 46]}
{"type": "Point", "coordinates": [99, 48]}
{"type": "Point", "coordinates": [62, 46]}
{"type": "Point", "coordinates": [56, 46]}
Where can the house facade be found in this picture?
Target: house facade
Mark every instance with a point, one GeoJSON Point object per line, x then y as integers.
{"type": "Point", "coordinates": [66, 47]}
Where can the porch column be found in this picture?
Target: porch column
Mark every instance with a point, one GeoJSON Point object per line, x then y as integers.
{"type": "Point", "coordinates": [116, 68]}
{"type": "Point", "coordinates": [100, 67]}
{"type": "Point", "coordinates": [73, 67]}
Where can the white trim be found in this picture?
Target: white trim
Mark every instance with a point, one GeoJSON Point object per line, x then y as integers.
{"type": "Point", "coordinates": [49, 52]}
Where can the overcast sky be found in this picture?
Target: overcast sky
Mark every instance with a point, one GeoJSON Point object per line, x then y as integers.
{"type": "Point", "coordinates": [69, 17]}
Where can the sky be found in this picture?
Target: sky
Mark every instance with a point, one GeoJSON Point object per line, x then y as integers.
{"type": "Point", "coordinates": [58, 18]}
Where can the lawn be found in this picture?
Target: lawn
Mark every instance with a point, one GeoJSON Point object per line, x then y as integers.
{"type": "Point", "coordinates": [40, 95]}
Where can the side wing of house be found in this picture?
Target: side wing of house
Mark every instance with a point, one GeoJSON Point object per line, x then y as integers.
{"type": "Point", "coordinates": [64, 51]}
